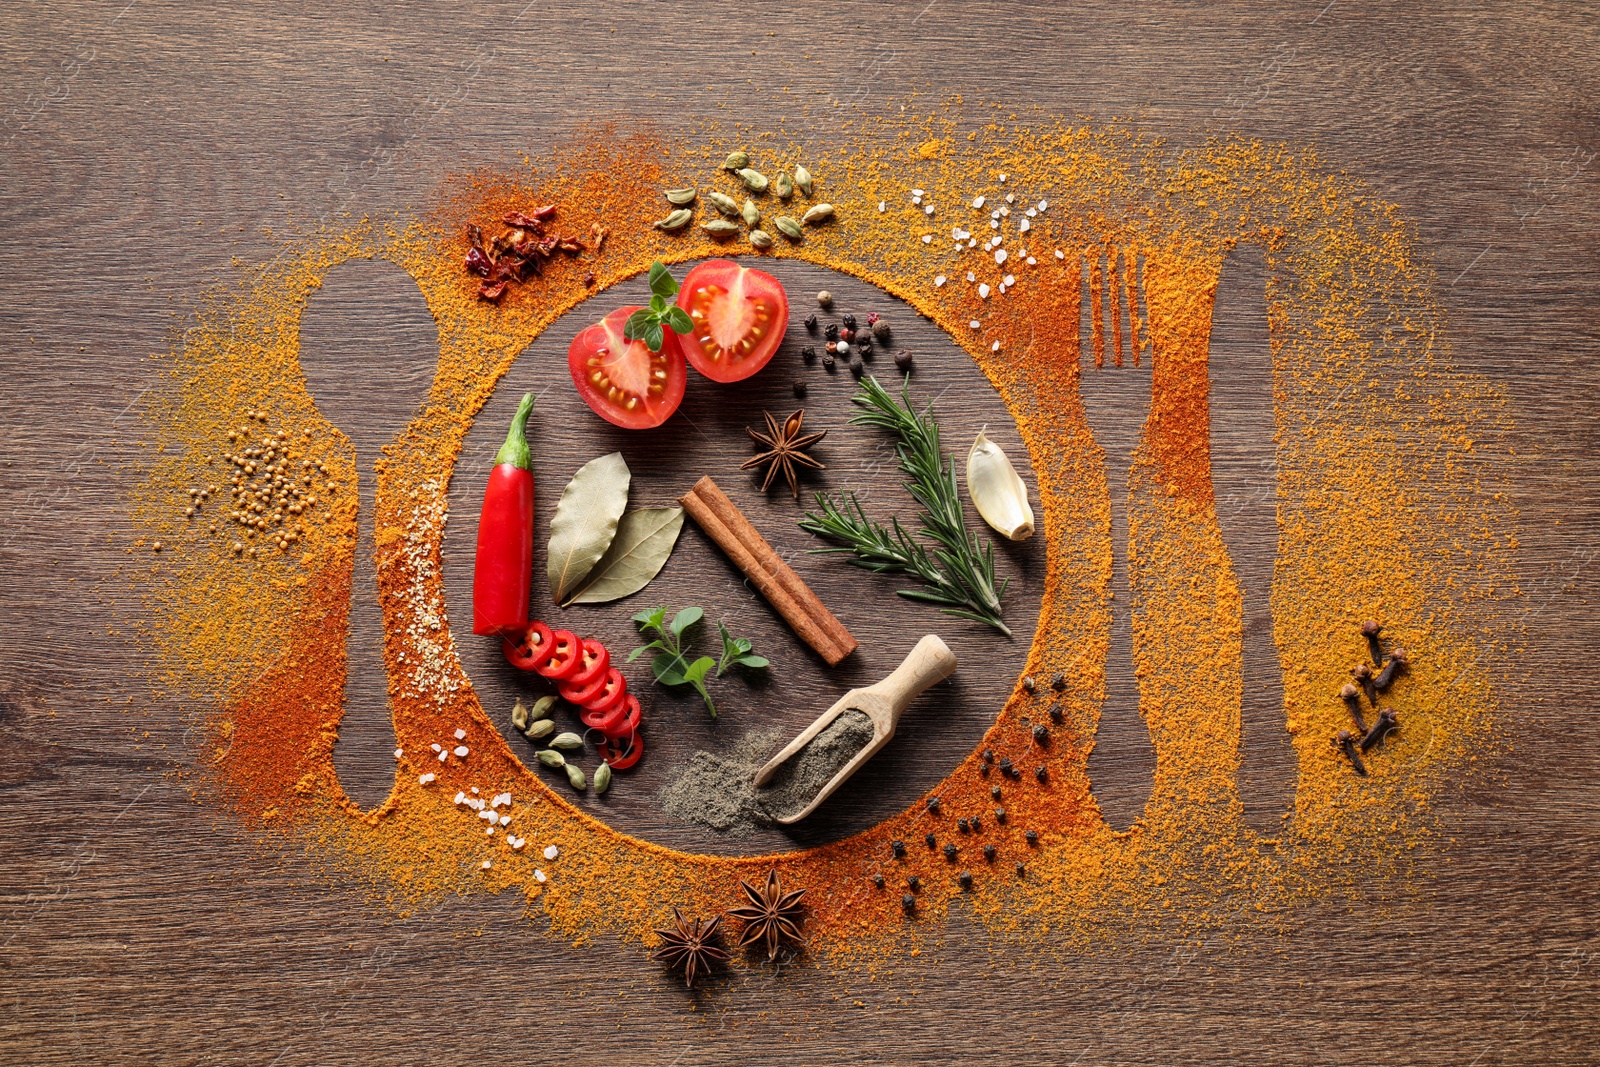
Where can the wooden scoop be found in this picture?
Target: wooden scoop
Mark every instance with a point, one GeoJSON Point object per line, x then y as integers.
{"type": "Point", "coordinates": [929, 662]}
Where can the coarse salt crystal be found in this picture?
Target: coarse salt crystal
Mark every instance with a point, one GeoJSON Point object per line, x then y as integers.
{"type": "Point", "coordinates": [999, 255]}
{"type": "Point", "coordinates": [1031, 212]}
{"type": "Point", "coordinates": [1010, 199]}
{"type": "Point", "coordinates": [1024, 226]}
{"type": "Point", "coordinates": [461, 750]}
{"type": "Point", "coordinates": [1043, 204]}
{"type": "Point", "coordinates": [461, 798]}
{"type": "Point", "coordinates": [1002, 179]}
{"type": "Point", "coordinates": [1002, 289]}
{"type": "Point", "coordinates": [461, 734]}
{"type": "Point", "coordinates": [487, 865]}
{"type": "Point", "coordinates": [399, 752]}
{"type": "Point", "coordinates": [971, 277]}
{"type": "Point", "coordinates": [976, 325]}
{"type": "Point", "coordinates": [1005, 212]}
{"type": "Point", "coordinates": [916, 200]}
{"type": "Point", "coordinates": [995, 213]}
{"type": "Point", "coordinates": [1031, 261]}
{"type": "Point", "coordinates": [425, 779]}
{"type": "Point", "coordinates": [1060, 254]}
{"type": "Point", "coordinates": [939, 281]}
{"type": "Point", "coordinates": [538, 875]}
{"type": "Point", "coordinates": [436, 746]}
{"type": "Point", "coordinates": [488, 831]}
{"type": "Point", "coordinates": [882, 206]}
{"type": "Point", "coordinates": [995, 347]}
{"type": "Point", "coordinates": [505, 820]}
{"type": "Point", "coordinates": [994, 224]}
{"type": "Point", "coordinates": [1010, 281]}
{"type": "Point", "coordinates": [917, 192]}
{"type": "Point", "coordinates": [928, 209]}
{"type": "Point", "coordinates": [551, 852]}
{"type": "Point", "coordinates": [927, 238]}
{"type": "Point", "coordinates": [485, 813]}
{"type": "Point", "coordinates": [983, 291]}
{"type": "Point", "coordinates": [473, 790]}
{"type": "Point", "coordinates": [978, 202]}
{"type": "Point", "coordinates": [972, 243]}
{"type": "Point", "coordinates": [517, 843]}
{"type": "Point", "coordinates": [443, 756]}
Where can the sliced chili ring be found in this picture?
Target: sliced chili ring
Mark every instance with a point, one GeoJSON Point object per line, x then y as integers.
{"type": "Point", "coordinates": [524, 650]}
{"type": "Point", "coordinates": [607, 720]}
{"type": "Point", "coordinates": [632, 713]}
{"type": "Point", "coordinates": [599, 695]}
{"type": "Point", "coordinates": [596, 661]}
{"type": "Point", "coordinates": [564, 656]}
{"type": "Point", "coordinates": [632, 748]}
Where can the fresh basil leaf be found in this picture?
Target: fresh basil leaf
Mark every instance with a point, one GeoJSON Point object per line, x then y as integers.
{"type": "Point", "coordinates": [685, 619]}
{"type": "Point", "coordinates": [679, 320]}
{"type": "Point", "coordinates": [662, 283]}
{"type": "Point", "coordinates": [654, 337]}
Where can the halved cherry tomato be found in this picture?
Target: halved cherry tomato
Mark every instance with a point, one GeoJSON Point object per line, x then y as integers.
{"type": "Point", "coordinates": [564, 656]}
{"type": "Point", "coordinates": [739, 317]}
{"type": "Point", "coordinates": [600, 693]}
{"type": "Point", "coordinates": [524, 650]}
{"type": "Point", "coordinates": [596, 661]}
{"type": "Point", "coordinates": [623, 753]}
{"type": "Point", "coordinates": [623, 381]}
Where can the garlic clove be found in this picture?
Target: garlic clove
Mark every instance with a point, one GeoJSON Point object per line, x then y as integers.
{"type": "Point", "coordinates": [997, 491]}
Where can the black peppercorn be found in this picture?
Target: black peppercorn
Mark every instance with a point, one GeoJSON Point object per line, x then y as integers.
{"type": "Point", "coordinates": [1021, 870]}
{"type": "Point", "coordinates": [914, 882]}
{"type": "Point", "coordinates": [877, 880]}
{"type": "Point", "coordinates": [1041, 733]}
{"type": "Point", "coordinates": [1032, 836]}
{"type": "Point", "coordinates": [931, 840]}
{"type": "Point", "coordinates": [903, 360]}
{"type": "Point", "coordinates": [908, 902]}
{"type": "Point", "coordinates": [994, 791]}
{"type": "Point", "coordinates": [933, 805]}
{"type": "Point", "coordinates": [983, 769]}
{"type": "Point", "coordinates": [809, 354]}
{"type": "Point", "coordinates": [811, 323]}
{"type": "Point", "coordinates": [976, 824]}
{"type": "Point", "coordinates": [831, 331]}
{"type": "Point", "coordinates": [950, 852]}
{"type": "Point", "coordinates": [880, 330]}
{"type": "Point", "coordinates": [988, 755]}
{"type": "Point", "coordinates": [1005, 765]}
{"type": "Point", "coordinates": [898, 847]}
{"type": "Point", "coordinates": [864, 348]}
{"type": "Point", "coordinates": [1058, 681]}
{"type": "Point", "coordinates": [799, 389]}
{"type": "Point", "coordinates": [849, 321]}
{"type": "Point", "coordinates": [988, 854]}
{"type": "Point", "coordinates": [965, 878]}
{"type": "Point", "coordinates": [847, 334]}
{"type": "Point", "coordinates": [1041, 773]}
{"type": "Point", "coordinates": [827, 364]}
{"type": "Point", "coordinates": [1000, 815]}
{"type": "Point", "coordinates": [961, 824]}
{"type": "Point", "coordinates": [1055, 712]}
{"type": "Point", "coordinates": [856, 366]}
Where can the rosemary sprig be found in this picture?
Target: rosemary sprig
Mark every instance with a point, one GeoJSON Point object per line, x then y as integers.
{"type": "Point", "coordinates": [957, 569]}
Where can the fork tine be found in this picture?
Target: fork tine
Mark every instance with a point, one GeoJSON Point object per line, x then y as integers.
{"type": "Point", "coordinates": [1097, 325]}
{"type": "Point", "coordinates": [1134, 276]}
{"type": "Point", "coordinates": [1114, 290]}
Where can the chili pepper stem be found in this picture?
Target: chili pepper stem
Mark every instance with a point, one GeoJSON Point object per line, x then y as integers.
{"type": "Point", "coordinates": [515, 451]}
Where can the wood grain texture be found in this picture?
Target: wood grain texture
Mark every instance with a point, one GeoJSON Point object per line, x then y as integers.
{"type": "Point", "coordinates": [147, 145]}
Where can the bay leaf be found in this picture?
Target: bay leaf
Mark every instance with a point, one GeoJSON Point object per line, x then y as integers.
{"type": "Point", "coordinates": [585, 522]}
{"type": "Point", "coordinates": [645, 538]}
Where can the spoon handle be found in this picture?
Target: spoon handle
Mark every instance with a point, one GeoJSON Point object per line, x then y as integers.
{"type": "Point", "coordinates": [931, 661]}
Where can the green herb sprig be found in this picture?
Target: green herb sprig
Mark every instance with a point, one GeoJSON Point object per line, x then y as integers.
{"type": "Point", "coordinates": [648, 324]}
{"type": "Point", "coordinates": [957, 569]}
{"type": "Point", "coordinates": [671, 664]}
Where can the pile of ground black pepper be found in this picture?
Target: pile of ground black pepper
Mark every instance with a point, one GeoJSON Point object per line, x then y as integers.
{"type": "Point", "coordinates": [718, 792]}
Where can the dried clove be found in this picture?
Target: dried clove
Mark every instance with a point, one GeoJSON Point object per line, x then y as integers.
{"type": "Point", "coordinates": [1370, 630]}
{"type": "Point", "coordinates": [1386, 677]}
{"type": "Point", "coordinates": [1363, 676]}
{"type": "Point", "coordinates": [1387, 721]}
{"type": "Point", "coordinates": [1352, 700]}
{"type": "Point", "coordinates": [1346, 743]}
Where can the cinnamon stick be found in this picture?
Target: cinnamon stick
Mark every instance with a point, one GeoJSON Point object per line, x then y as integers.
{"type": "Point", "coordinates": [723, 522]}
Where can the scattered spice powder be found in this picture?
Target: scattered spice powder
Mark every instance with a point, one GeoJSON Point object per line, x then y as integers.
{"type": "Point", "coordinates": [1362, 380]}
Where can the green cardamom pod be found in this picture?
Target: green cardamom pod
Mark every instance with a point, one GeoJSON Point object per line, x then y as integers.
{"type": "Point", "coordinates": [602, 778]}
{"type": "Point", "coordinates": [568, 741]}
{"type": "Point", "coordinates": [681, 196]}
{"type": "Point", "coordinates": [676, 220]}
{"type": "Point", "coordinates": [817, 213]}
{"type": "Point", "coordinates": [724, 203]}
{"type": "Point", "coordinates": [753, 180]}
{"type": "Point", "coordinates": [541, 708]}
{"type": "Point", "coordinates": [540, 728]}
{"type": "Point", "coordinates": [802, 180]}
{"type": "Point", "coordinates": [783, 186]}
{"type": "Point", "coordinates": [551, 758]}
{"type": "Point", "coordinates": [575, 776]}
{"type": "Point", "coordinates": [761, 238]}
{"type": "Point", "coordinates": [519, 715]}
{"type": "Point", "coordinates": [736, 161]}
{"type": "Point", "coordinates": [788, 227]}
{"type": "Point", "coordinates": [721, 229]}
{"type": "Point", "coordinates": [751, 213]}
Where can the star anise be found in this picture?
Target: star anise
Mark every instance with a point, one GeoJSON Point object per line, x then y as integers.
{"type": "Point", "coordinates": [773, 915]}
{"type": "Point", "coordinates": [690, 946]}
{"type": "Point", "coordinates": [786, 447]}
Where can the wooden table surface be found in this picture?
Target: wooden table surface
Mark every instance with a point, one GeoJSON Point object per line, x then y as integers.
{"type": "Point", "coordinates": [150, 144]}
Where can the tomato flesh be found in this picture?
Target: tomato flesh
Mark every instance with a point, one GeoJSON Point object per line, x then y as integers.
{"type": "Point", "coordinates": [524, 650]}
{"type": "Point", "coordinates": [739, 316]}
{"type": "Point", "coordinates": [623, 381]}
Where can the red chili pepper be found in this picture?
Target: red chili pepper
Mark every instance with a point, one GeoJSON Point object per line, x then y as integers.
{"type": "Point", "coordinates": [503, 572]}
